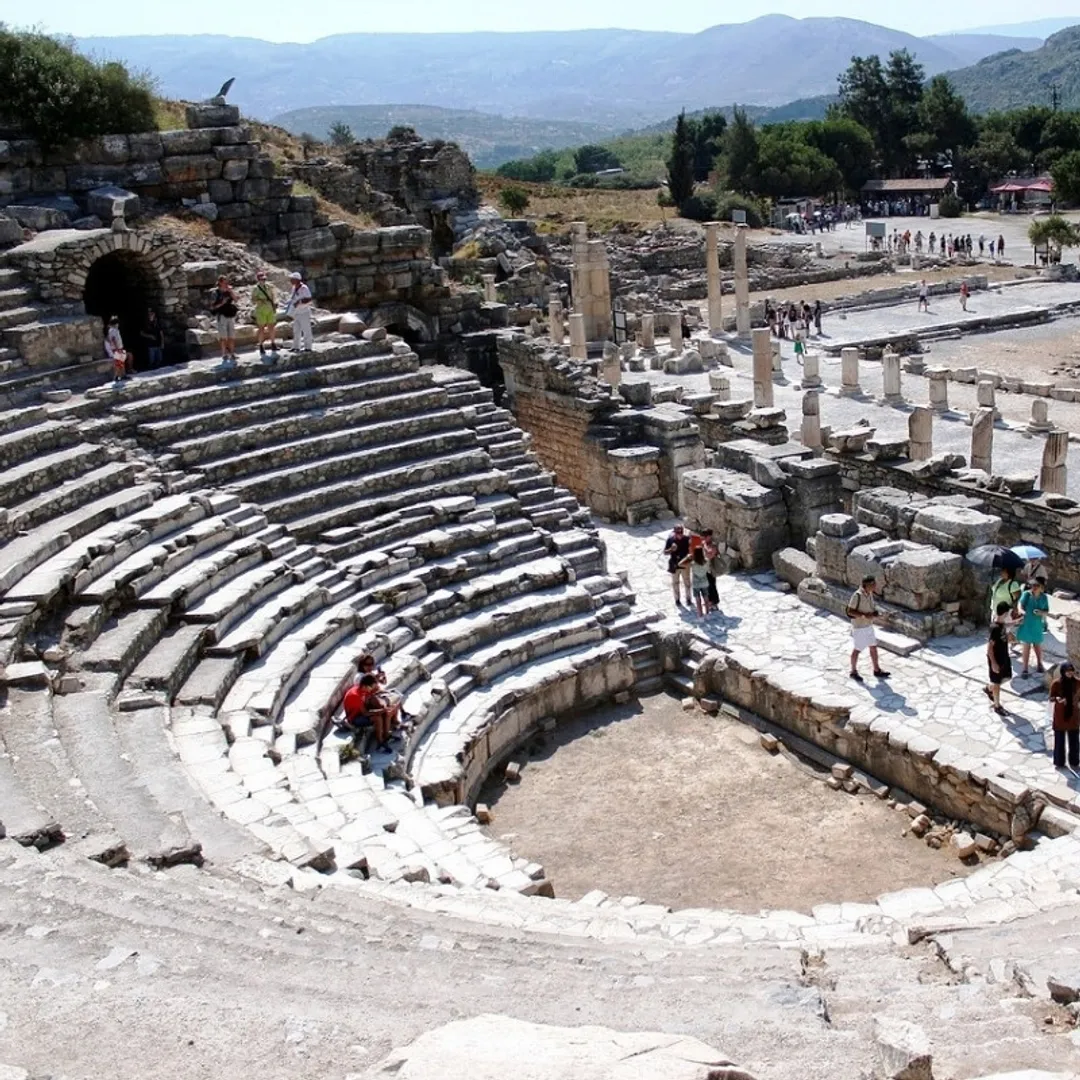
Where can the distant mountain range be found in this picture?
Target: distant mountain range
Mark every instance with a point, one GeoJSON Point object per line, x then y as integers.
{"type": "Point", "coordinates": [616, 79]}
{"type": "Point", "coordinates": [1010, 79]}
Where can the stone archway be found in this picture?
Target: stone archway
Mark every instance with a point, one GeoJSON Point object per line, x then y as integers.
{"type": "Point", "coordinates": [406, 321]}
{"type": "Point", "coordinates": [122, 284]}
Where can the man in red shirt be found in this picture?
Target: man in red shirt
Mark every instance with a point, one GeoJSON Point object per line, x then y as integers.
{"type": "Point", "coordinates": [364, 710]}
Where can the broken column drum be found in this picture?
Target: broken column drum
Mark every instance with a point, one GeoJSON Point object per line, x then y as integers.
{"type": "Point", "coordinates": [890, 373]}
{"type": "Point", "coordinates": [489, 289]}
{"type": "Point", "coordinates": [849, 372]}
{"type": "Point", "coordinates": [982, 440]}
{"type": "Point", "coordinates": [675, 332]}
{"type": "Point", "coordinates": [939, 388]}
{"type": "Point", "coordinates": [742, 284]}
{"type": "Point", "coordinates": [921, 433]}
{"type": "Point", "coordinates": [555, 320]}
{"type": "Point", "coordinates": [647, 333]}
{"type": "Point", "coordinates": [763, 373]}
{"type": "Point", "coordinates": [1053, 478]}
{"type": "Point", "coordinates": [579, 349]}
{"type": "Point", "coordinates": [811, 372]}
{"type": "Point", "coordinates": [811, 420]}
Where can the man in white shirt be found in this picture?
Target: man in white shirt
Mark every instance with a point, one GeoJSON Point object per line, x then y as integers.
{"type": "Point", "coordinates": [862, 611]}
{"type": "Point", "coordinates": [300, 307]}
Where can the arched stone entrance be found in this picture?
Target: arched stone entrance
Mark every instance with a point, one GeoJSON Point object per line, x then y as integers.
{"type": "Point", "coordinates": [123, 284]}
{"type": "Point", "coordinates": [406, 321]}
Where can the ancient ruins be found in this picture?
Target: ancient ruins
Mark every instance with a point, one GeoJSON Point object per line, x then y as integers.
{"type": "Point", "coordinates": [470, 477]}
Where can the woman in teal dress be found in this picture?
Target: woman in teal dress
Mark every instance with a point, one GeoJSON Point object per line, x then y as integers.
{"type": "Point", "coordinates": [1034, 606]}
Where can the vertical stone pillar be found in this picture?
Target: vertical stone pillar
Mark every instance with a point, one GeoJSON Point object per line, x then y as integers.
{"type": "Point", "coordinates": [986, 394]}
{"type": "Point", "coordinates": [648, 332]}
{"type": "Point", "coordinates": [777, 359]}
{"type": "Point", "coordinates": [982, 440]}
{"type": "Point", "coordinates": [892, 391]}
{"type": "Point", "coordinates": [811, 420]}
{"type": "Point", "coordinates": [849, 373]}
{"type": "Point", "coordinates": [1040, 415]}
{"type": "Point", "coordinates": [742, 284]}
{"type": "Point", "coordinates": [720, 385]}
{"type": "Point", "coordinates": [939, 388]}
{"type": "Point", "coordinates": [763, 381]}
{"type": "Point", "coordinates": [490, 296]}
{"type": "Point", "coordinates": [1053, 479]}
{"type": "Point", "coordinates": [712, 270]}
{"type": "Point", "coordinates": [555, 320]}
{"type": "Point", "coordinates": [921, 433]}
{"type": "Point", "coordinates": [611, 367]}
{"type": "Point", "coordinates": [811, 372]}
{"type": "Point", "coordinates": [590, 282]}
{"type": "Point", "coordinates": [579, 349]}
{"type": "Point", "coordinates": [675, 332]}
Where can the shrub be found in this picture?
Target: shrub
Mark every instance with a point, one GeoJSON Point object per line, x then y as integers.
{"type": "Point", "coordinates": [698, 208]}
{"type": "Point", "coordinates": [950, 206]}
{"type": "Point", "coordinates": [55, 94]}
{"type": "Point", "coordinates": [515, 200]}
{"type": "Point", "coordinates": [756, 214]}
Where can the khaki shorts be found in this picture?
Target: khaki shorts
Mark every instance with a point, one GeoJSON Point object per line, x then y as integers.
{"type": "Point", "coordinates": [226, 327]}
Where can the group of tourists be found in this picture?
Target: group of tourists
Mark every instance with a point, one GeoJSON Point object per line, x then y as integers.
{"type": "Point", "coordinates": [694, 563]}
{"type": "Point", "coordinates": [369, 705]}
{"type": "Point", "coordinates": [793, 321]}
{"type": "Point", "coordinates": [225, 307]}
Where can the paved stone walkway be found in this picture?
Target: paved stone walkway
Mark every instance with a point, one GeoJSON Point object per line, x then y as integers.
{"type": "Point", "coordinates": [937, 690]}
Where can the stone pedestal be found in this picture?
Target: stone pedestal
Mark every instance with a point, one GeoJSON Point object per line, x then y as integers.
{"type": "Point", "coordinates": [915, 365]}
{"type": "Point", "coordinates": [489, 289]}
{"type": "Point", "coordinates": [849, 373]}
{"type": "Point", "coordinates": [611, 367]}
{"type": "Point", "coordinates": [986, 394]}
{"type": "Point", "coordinates": [712, 270]}
{"type": "Point", "coordinates": [939, 388]}
{"type": "Point", "coordinates": [647, 333]}
{"type": "Point", "coordinates": [921, 433]}
{"type": "Point", "coordinates": [555, 321]}
{"type": "Point", "coordinates": [763, 380]}
{"type": "Point", "coordinates": [811, 420]}
{"type": "Point", "coordinates": [720, 385]}
{"type": "Point", "coordinates": [742, 284]}
{"type": "Point", "coordinates": [777, 359]}
{"type": "Point", "coordinates": [1053, 478]}
{"type": "Point", "coordinates": [1040, 416]}
{"type": "Point", "coordinates": [579, 349]}
{"type": "Point", "coordinates": [675, 332]}
{"type": "Point", "coordinates": [982, 440]}
{"type": "Point", "coordinates": [811, 372]}
{"type": "Point", "coordinates": [590, 282]}
{"type": "Point", "coordinates": [890, 373]}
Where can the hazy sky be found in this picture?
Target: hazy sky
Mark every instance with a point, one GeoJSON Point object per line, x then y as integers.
{"type": "Point", "coordinates": [279, 20]}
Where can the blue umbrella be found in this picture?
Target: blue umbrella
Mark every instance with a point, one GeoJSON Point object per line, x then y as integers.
{"type": "Point", "coordinates": [1028, 552]}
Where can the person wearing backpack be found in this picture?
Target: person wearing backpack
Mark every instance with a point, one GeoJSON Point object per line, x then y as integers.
{"type": "Point", "coordinates": [224, 308]}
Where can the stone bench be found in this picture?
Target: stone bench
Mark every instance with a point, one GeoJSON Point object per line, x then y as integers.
{"type": "Point", "coordinates": [27, 442]}
{"type": "Point", "coordinates": [59, 499]}
{"type": "Point", "coordinates": [23, 480]}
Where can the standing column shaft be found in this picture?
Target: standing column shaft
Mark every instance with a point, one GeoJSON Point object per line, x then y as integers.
{"type": "Point", "coordinates": [742, 284]}
{"type": "Point", "coordinates": [712, 270]}
{"type": "Point", "coordinates": [763, 369]}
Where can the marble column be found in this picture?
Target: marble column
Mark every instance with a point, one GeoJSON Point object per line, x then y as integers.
{"type": "Point", "coordinates": [849, 373]}
{"type": "Point", "coordinates": [579, 349]}
{"type": "Point", "coordinates": [939, 388]}
{"type": "Point", "coordinates": [777, 359]}
{"type": "Point", "coordinates": [590, 282]}
{"type": "Point", "coordinates": [712, 270]}
{"type": "Point", "coordinates": [763, 370]}
{"type": "Point", "coordinates": [982, 440]}
{"type": "Point", "coordinates": [648, 332]}
{"type": "Point", "coordinates": [811, 420]}
{"type": "Point", "coordinates": [611, 366]}
{"type": "Point", "coordinates": [555, 321]}
{"type": "Point", "coordinates": [921, 433]}
{"type": "Point", "coordinates": [811, 372]}
{"type": "Point", "coordinates": [1040, 415]}
{"type": "Point", "coordinates": [675, 332]}
{"type": "Point", "coordinates": [890, 373]}
{"type": "Point", "coordinates": [490, 296]}
{"type": "Point", "coordinates": [742, 284]}
{"type": "Point", "coordinates": [1053, 479]}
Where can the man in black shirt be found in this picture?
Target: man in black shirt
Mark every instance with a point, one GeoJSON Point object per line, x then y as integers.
{"type": "Point", "coordinates": [676, 549]}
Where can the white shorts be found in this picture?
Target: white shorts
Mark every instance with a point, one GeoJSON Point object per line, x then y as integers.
{"type": "Point", "coordinates": [862, 637]}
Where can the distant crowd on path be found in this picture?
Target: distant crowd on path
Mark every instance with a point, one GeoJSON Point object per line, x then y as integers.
{"type": "Point", "coordinates": [794, 321]}
{"type": "Point", "coordinates": [945, 246]}
{"type": "Point", "coordinates": [224, 306]}
{"type": "Point", "coordinates": [694, 563]}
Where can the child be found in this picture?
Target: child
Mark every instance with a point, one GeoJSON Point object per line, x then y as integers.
{"type": "Point", "coordinates": [699, 579]}
{"type": "Point", "coordinates": [115, 351]}
{"type": "Point", "coordinates": [997, 656]}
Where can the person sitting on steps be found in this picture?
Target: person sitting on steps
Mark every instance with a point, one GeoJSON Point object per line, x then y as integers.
{"type": "Point", "coordinates": [363, 710]}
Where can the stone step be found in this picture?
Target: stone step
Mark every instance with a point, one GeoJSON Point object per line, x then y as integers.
{"type": "Point", "coordinates": [24, 443]}
{"type": "Point", "coordinates": [69, 495]}
{"type": "Point", "coordinates": [25, 383]}
{"type": "Point", "coordinates": [25, 479]}
{"type": "Point", "coordinates": [21, 315]}
{"type": "Point", "coordinates": [318, 509]}
{"type": "Point", "coordinates": [10, 276]}
{"type": "Point", "coordinates": [680, 683]}
{"type": "Point", "coordinates": [124, 641]}
{"type": "Point", "coordinates": [210, 681]}
{"type": "Point", "coordinates": [205, 574]}
{"type": "Point", "coordinates": [13, 296]}
{"type": "Point", "coordinates": [24, 820]}
{"type": "Point", "coordinates": [169, 662]}
{"type": "Point", "coordinates": [18, 419]}
{"type": "Point", "coordinates": [282, 419]}
{"type": "Point", "coordinates": [85, 730]}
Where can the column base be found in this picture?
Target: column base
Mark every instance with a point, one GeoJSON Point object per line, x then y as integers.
{"type": "Point", "coordinates": [893, 399]}
{"type": "Point", "coordinates": [1040, 429]}
{"type": "Point", "coordinates": [811, 384]}
{"type": "Point", "coordinates": [851, 391]}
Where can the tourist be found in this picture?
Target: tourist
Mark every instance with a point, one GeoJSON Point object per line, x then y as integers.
{"type": "Point", "coordinates": [964, 293]}
{"type": "Point", "coordinates": [1034, 608]}
{"type": "Point", "coordinates": [224, 308]}
{"type": "Point", "coordinates": [1006, 590]}
{"type": "Point", "coordinates": [153, 339]}
{"type": "Point", "coordinates": [862, 611]}
{"type": "Point", "coordinates": [115, 351]}
{"type": "Point", "coordinates": [264, 302]}
{"type": "Point", "coordinates": [933, 242]}
{"type": "Point", "coordinates": [299, 307]}
{"type": "Point", "coordinates": [712, 560]}
{"type": "Point", "coordinates": [698, 570]}
{"type": "Point", "coordinates": [997, 656]}
{"type": "Point", "coordinates": [982, 245]}
{"type": "Point", "coordinates": [366, 666]}
{"type": "Point", "coordinates": [817, 317]}
{"type": "Point", "coordinates": [924, 297]}
{"type": "Point", "coordinates": [364, 710]}
{"type": "Point", "coordinates": [677, 548]}
{"type": "Point", "coordinates": [1001, 247]}
{"type": "Point", "coordinates": [1065, 702]}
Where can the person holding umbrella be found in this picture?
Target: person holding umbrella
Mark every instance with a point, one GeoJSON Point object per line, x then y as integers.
{"type": "Point", "coordinates": [1065, 700]}
{"type": "Point", "coordinates": [1006, 590]}
{"type": "Point", "coordinates": [1034, 607]}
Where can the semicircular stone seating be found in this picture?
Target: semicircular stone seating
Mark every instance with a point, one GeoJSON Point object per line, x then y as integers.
{"type": "Point", "coordinates": [194, 563]}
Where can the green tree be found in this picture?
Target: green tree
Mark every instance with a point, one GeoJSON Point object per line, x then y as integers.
{"type": "Point", "coordinates": [787, 165]}
{"type": "Point", "coordinates": [1066, 174]}
{"type": "Point", "coordinates": [680, 165]}
{"type": "Point", "coordinates": [55, 94]}
{"type": "Point", "coordinates": [740, 153]}
{"type": "Point", "coordinates": [514, 200]}
{"type": "Point", "coordinates": [1053, 233]}
{"type": "Point", "coordinates": [945, 126]}
{"type": "Point", "coordinates": [1060, 136]}
{"type": "Point", "coordinates": [708, 134]}
{"type": "Point", "coordinates": [539, 169]}
{"type": "Point", "coordinates": [594, 159]}
{"type": "Point", "coordinates": [341, 135]}
{"type": "Point", "coordinates": [848, 144]}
